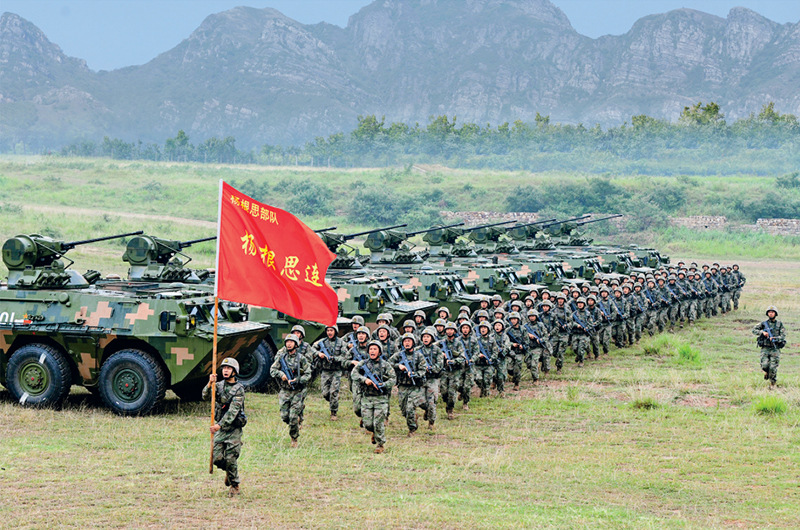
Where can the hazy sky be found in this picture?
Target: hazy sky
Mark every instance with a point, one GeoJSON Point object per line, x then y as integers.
{"type": "Point", "coordinates": [111, 34]}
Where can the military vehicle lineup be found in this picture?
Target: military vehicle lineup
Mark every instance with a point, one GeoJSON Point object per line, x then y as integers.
{"type": "Point", "coordinates": [129, 340]}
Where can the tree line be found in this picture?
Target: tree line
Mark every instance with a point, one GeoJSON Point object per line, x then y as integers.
{"type": "Point", "coordinates": [517, 145]}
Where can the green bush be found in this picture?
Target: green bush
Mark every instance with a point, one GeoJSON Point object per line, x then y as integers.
{"type": "Point", "coordinates": [770, 405]}
{"type": "Point", "coordinates": [645, 403]}
{"type": "Point", "coordinates": [688, 355]}
{"type": "Point", "coordinates": [310, 198]}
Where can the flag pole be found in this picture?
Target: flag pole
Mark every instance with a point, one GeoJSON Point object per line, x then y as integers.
{"type": "Point", "coordinates": [216, 324]}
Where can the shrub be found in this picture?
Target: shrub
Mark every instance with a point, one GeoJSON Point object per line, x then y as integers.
{"type": "Point", "coordinates": [770, 405]}
{"type": "Point", "coordinates": [645, 403]}
{"type": "Point", "coordinates": [688, 355]}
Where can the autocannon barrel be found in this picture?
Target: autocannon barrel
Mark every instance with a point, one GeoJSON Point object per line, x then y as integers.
{"type": "Point", "coordinates": [185, 244]}
{"type": "Point", "coordinates": [73, 244]}
{"type": "Point", "coordinates": [412, 234]}
{"type": "Point", "coordinates": [351, 236]}
{"type": "Point", "coordinates": [533, 224]}
{"type": "Point", "coordinates": [326, 229]}
{"type": "Point", "coordinates": [600, 219]}
{"type": "Point", "coordinates": [488, 226]}
{"type": "Point", "coordinates": [566, 221]}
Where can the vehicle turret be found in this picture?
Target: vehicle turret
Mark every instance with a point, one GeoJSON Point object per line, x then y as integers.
{"type": "Point", "coordinates": [35, 261]}
{"type": "Point", "coordinates": [154, 259]}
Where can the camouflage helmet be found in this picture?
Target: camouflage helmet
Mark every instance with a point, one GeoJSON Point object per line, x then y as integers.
{"type": "Point", "coordinates": [467, 322]}
{"type": "Point", "coordinates": [617, 290]}
{"type": "Point", "coordinates": [672, 277]}
{"type": "Point", "coordinates": [499, 310]}
{"type": "Point", "coordinates": [301, 329]}
{"type": "Point", "coordinates": [291, 337]}
{"type": "Point", "coordinates": [409, 324]}
{"type": "Point", "coordinates": [464, 309]}
{"type": "Point", "coordinates": [604, 290]}
{"type": "Point", "coordinates": [430, 330]}
{"type": "Point", "coordinates": [581, 300]}
{"type": "Point", "coordinates": [485, 324]}
{"type": "Point", "coordinates": [514, 314]}
{"type": "Point", "coordinates": [482, 313]}
{"type": "Point", "coordinates": [440, 322]}
{"type": "Point", "coordinates": [561, 296]}
{"type": "Point", "coordinates": [637, 285]}
{"type": "Point", "coordinates": [384, 316]}
{"type": "Point", "coordinates": [333, 327]}
{"type": "Point", "coordinates": [593, 298]}
{"type": "Point", "coordinates": [443, 308]}
{"type": "Point", "coordinates": [364, 329]}
{"type": "Point", "coordinates": [376, 343]}
{"type": "Point", "coordinates": [771, 308]}
{"type": "Point", "coordinates": [497, 298]}
{"type": "Point", "coordinates": [531, 297]}
{"type": "Point", "coordinates": [420, 313]}
{"type": "Point", "coordinates": [383, 326]}
{"type": "Point", "coordinates": [462, 316]}
{"type": "Point", "coordinates": [547, 303]}
{"type": "Point", "coordinates": [358, 319]}
{"type": "Point", "coordinates": [405, 336]}
{"type": "Point", "coordinates": [485, 298]}
{"type": "Point", "coordinates": [516, 303]}
{"type": "Point", "coordinates": [451, 325]}
{"type": "Point", "coordinates": [514, 291]}
{"type": "Point", "coordinates": [498, 321]}
{"type": "Point", "coordinates": [233, 363]}
{"type": "Point", "coordinates": [533, 313]}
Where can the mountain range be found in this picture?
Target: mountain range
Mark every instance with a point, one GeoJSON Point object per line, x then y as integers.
{"type": "Point", "coordinates": [264, 78]}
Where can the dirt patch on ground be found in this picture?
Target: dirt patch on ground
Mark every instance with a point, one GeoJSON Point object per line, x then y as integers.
{"type": "Point", "coordinates": [128, 215]}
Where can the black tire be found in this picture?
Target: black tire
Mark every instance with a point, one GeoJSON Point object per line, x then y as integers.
{"type": "Point", "coordinates": [255, 367]}
{"type": "Point", "coordinates": [131, 383]}
{"type": "Point", "coordinates": [190, 392]}
{"type": "Point", "coordinates": [38, 375]}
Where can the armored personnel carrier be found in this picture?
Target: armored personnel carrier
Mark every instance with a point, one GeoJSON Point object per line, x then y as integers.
{"type": "Point", "coordinates": [369, 296]}
{"type": "Point", "coordinates": [126, 343]}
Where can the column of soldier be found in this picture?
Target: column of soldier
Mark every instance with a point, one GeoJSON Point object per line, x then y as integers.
{"type": "Point", "coordinates": [491, 345]}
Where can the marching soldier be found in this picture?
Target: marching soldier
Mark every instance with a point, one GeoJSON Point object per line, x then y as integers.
{"type": "Point", "coordinates": [354, 355]}
{"type": "Point", "coordinates": [293, 372]}
{"type": "Point", "coordinates": [411, 369]}
{"type": "Point", "coordinates": [377, 378]}
{"type": "Point", "coordinates": [503, 353]}
{"type": "Point", "coordinates": [386, 319]}
{"type": "Point", "coordinates": [331, 355]}
{"type": "Point", "coordinates": [454, 362]}
{"type": "Point", "coordinates": [739, 281]}
{"type": "Point", "coordinates": [228, 422]}
{"type": "Point", "coordinates": [539, 348]}
{"type": "Point", "coordinates": [582, 330]}
{"type": "Point", "coordinates": [471, 350]}
{"type": "Point", "coordinates": [434, 362]}
{"type": "Point", "coordinates": [383, 334]}
{"type": "Point", "coordinates": [559, 332]}
{"type": "Point", "coordinates": [487, 358]}
{"type": "Point", "coordinates": [519, 347]}
{"type": "Point", "coordinates": [771, 338]}
{"type": "Point", "coordinates": [620, 312]}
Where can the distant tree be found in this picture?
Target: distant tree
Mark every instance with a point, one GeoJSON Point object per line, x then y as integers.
{"type": "Point", "coordinates": [702, 115]}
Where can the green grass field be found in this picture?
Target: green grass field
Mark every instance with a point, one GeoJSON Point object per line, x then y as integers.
{"type": "Point", "coordinates": [676, 432]}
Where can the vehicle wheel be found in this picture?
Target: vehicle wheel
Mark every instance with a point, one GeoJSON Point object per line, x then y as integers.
{"type": "Point", "coordinates": [189, 392]}
{"type": "Point", "coordinates": [254, 368]}
{"type": "Point", "coordinates": [131, 382]}
{"type": "Point", "coordinates": [38, 375]}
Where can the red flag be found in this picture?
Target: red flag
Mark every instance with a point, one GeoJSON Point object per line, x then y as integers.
{"type": "Point", "coordinates": [269, 258]}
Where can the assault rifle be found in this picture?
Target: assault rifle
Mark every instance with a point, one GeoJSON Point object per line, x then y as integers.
{"type": "Point", "coordinates": [369, 374]}
{"type": "Point", "coordinates": [324, 350]}
{"type": "Point", "coordinates": [515, 340]}
{"type": "Point", "coordinates": [588, 329]}
{"type": "Point", "coordinates": [405, 362]}
{"type": "Point", "coordinates": [466, 352]}
{"type": "Point", "coordinates": [536, 336]}
{"type": "Point", "coordinates": [288, 372]}
{"type": "Point", "coordinates": [772, 338]}
{"type": "Point", "coordinates": [357, 355]}
{"type": "Point", "coordinates": [448, 355]}
{"type": "Point", "coordinates": [485, 352]}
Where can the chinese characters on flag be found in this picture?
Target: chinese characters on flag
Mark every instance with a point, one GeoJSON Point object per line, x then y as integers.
{"type": "Point", "coordinates": [269, 258]}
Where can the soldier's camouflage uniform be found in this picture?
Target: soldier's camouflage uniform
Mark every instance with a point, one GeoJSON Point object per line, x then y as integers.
{"type": "Point", "coordinates": [604, 330]}
{"type": "Point", "coordinates": [770, 352]}
{"type": "Point", "coordinates": [538, 349]}
{"type": "Point", "coordinates": [639, 317]}
{"type": "Point", "coordinates": [434, 363]}
{"type": "Point", "coordinates": [712, 291]}
{"type": "Point", "coordinates": [452, 373]}
{"type": "Point", "coordinates": [356, 387]}
{"type": "Point", "coordinates": [410, 393]}
{"type": "Point", "coordinates": [331, 370]}
{"type": "Point", "coordinates": [503, 353]}
{"type": "Point", "coordinates": [559, 334]}
{"type": "Point", "coordinates": [228, 439]}
{"type": "Point", "coordinates": [374, 402]}
{"type": "Point", "coordinates": [738, 281]}
{"type": "Point", "coordinates": [471, 351]}
{"type": "Point", "coordinates": [581, 336]}
{"type": "Point", "coordinates": [519, 351]}
{"type": "Point", "coordinates": [620, 313]}
{"type": "Point", "coordinates": [484, 372]}
{"type": "Point", "coordinates": [600, 324]}
{"type": "Point", "coordinates": [291, 399]}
